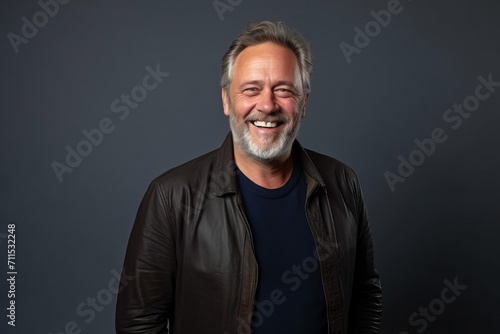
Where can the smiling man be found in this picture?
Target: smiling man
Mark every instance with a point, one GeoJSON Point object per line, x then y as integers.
{"type": "Point", "coordinates": [260, 235]}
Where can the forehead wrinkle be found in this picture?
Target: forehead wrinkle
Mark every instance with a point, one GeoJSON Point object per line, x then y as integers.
{"type": "Point", "coordinates": [268, 58]}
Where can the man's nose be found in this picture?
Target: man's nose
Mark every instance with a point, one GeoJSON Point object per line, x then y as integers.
{"type": "Point", "coordinates": [266, 103]}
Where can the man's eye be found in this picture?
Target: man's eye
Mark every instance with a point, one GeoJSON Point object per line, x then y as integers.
{"type": "Point", "coordinates": [283, 92]}
{"type": "Point", "coordinates": [250, 91]}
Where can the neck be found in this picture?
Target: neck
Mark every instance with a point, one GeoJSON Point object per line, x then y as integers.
{"type": "Point", "coordinates": [269, 175]}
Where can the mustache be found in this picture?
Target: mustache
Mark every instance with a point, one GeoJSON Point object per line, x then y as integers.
{"type": "Point", "coordinates": [273, 117]}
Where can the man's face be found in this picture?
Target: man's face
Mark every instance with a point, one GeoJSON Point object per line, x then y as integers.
{"type": "Point", "coordinates": [266, 101]}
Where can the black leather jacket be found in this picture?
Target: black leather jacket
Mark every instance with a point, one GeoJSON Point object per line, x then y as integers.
{"type": "Point", "coordinates": [191, 254]}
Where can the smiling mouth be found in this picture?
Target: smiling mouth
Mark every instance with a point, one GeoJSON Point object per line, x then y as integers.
{"type": "Point", "coordinates": [263, 124]}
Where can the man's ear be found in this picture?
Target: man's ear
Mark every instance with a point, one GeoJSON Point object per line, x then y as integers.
{"type": "Point", "coordinates": [225, 101]}
{"type": "Point", "coordinates": [303, 111]}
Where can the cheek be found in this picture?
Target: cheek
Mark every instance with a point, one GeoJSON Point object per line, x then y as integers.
{"type": "Point", "coordinates": [243, 106]}
{"type": "Point", "coordinates": [290, 108]}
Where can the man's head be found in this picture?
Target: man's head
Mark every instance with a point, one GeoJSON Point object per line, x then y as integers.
{"type": "Point", "coordinates": [265, 83]}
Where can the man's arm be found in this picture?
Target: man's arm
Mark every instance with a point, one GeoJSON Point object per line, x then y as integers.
{"type": "Point", "coordinates": [365, 313]}
{"type": "Point", "coordinates": [146, 301]}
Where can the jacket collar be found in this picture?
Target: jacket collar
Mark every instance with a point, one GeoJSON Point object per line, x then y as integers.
{"type": "Point", "coordinates": [225, 168]}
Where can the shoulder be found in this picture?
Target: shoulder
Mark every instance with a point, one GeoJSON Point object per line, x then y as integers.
{"type": "Point", "coordinates": [330, 167]}
{"type": "Point", "coordinates": [212, 172]}
{"type": "Point", "coordinates": [187, 175]}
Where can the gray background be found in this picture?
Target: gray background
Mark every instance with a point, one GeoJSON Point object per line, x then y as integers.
{"type": "Point", "coordinates": [439, 224]}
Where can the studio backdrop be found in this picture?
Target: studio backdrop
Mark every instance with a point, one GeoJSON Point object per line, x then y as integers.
{"type": "Point", "coordinates": [100, 97]}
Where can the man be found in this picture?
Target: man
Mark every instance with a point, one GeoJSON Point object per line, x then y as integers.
{"type": "Point", "coordinates": [260, 235]}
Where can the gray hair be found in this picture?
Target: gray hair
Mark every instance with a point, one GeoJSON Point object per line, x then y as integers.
{"type": "Point", "coordinates": [275, 32]}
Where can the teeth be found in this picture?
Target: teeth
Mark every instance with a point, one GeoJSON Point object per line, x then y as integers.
{"type": "Point", "coordinates": [263, 124]}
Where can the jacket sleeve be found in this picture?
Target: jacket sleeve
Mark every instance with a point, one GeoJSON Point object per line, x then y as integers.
{"type": "Point", "coordinates": [365, 312]}
{"type": "Point", "coordinates": [146, 294]}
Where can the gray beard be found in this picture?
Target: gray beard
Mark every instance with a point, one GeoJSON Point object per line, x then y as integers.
{"type": "Point", "coordinates": [282, 147]}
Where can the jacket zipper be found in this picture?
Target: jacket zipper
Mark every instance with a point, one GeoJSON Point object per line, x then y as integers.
{"type": "Point", "coordinates": [320, 265]}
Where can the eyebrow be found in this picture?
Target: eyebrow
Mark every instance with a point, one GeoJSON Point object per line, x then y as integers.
{"type": "Point", "coordinates": [260, 82]}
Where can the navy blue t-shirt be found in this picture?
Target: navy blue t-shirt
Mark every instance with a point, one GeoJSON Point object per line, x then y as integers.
{"type": "Point", "coordinates": [290, 297]}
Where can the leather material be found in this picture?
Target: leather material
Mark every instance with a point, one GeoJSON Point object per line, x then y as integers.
{"type": "Point", "coordinates": [191, 252]}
